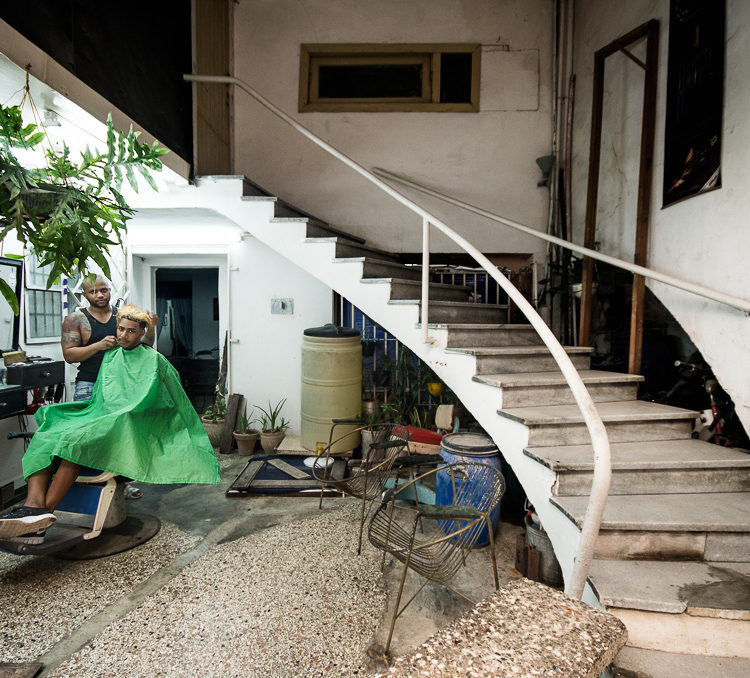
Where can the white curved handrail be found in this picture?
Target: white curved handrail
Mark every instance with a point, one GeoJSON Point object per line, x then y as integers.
{"type": "Point", "coordinates": [700, 290]}
{"type": "Point", "coordinates": [599, 439]}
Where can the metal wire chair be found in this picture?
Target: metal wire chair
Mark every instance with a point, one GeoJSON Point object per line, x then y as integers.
{"type": "Point", "coordinates": [437, 556]}
{"type": "Point", "coordinates": [367, 481]}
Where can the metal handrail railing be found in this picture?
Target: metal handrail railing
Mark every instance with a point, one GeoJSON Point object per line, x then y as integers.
{"type": "Point", "coordinates": [700, 290]}
{"type": "Point", "coordinates": [594, 424]}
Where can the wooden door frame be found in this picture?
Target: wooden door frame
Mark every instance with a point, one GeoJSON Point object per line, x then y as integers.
{"type": "Point", "coordinates": [650, 31]}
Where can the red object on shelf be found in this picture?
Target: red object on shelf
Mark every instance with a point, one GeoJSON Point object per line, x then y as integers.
{"type": "Point", "coordinates": [424, 435]}
{"type": "Point", "coordinates": [424, 441]}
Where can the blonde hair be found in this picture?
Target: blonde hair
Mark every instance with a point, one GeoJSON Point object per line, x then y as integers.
{"type": "Point", "coordinates": [132, 312]}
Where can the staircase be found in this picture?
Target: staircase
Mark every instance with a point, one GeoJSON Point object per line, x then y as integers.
{"type": "Point", "coordinates": [673, 556]}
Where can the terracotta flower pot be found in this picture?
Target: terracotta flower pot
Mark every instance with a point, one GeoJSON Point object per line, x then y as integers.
{"type": "Point", "coordinates": [270, 441]}
{"type": "Point", "coordinates": [246, 441]}
{"type": "Point", "coordinates": [213, 429]}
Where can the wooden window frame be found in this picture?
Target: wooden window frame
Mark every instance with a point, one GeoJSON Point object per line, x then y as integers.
{"type": "Point", "coordinates": [313, 56]}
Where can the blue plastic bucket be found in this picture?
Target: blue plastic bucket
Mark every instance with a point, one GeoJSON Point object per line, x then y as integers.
{"type": "Point", "coordinates": [467, 448]}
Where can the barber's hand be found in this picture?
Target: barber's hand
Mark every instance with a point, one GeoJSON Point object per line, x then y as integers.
{"type": "Point", "coordinates": [107, 343]}
{"type": "Point", "coordinates": [153, 319]}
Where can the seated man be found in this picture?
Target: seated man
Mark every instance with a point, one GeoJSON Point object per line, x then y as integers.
{"type": "Point", "coordinates": [139, 423]}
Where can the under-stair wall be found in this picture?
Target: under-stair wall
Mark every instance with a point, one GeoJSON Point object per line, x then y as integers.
{"type": "Point", "coordinates": [702, 238]}
{"type": "Point", "coordinates": [456, 367]}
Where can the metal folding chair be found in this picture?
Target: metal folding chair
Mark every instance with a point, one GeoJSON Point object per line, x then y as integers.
{"type": "Point", "coordinates": [439, 554]}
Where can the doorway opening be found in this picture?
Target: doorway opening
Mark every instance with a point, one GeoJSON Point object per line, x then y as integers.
{"type": "Point", "coordinates": [187, 301]}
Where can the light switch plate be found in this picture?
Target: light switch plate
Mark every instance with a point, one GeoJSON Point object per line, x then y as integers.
{"type": "Point", "coordinates": [282, 306]}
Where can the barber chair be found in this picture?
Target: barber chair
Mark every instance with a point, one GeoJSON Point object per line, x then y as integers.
{"type": "Point", "coordinates": [92, 520]}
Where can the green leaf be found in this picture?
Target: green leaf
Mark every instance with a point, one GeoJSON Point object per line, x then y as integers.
{"type": "Point", "coordinates": [147, 176]}
{"type": "Point", "coordinates": [131, 177]}
{"type": "Point", "coordinates": [111, 139]}
{"type": "Point", "coordinates": [35, 139]}
{"type": "Point", "coordinates": [10, 296]}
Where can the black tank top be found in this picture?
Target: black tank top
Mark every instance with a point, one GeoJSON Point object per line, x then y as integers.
{"type": "Point", "coordinates": [88, 370]}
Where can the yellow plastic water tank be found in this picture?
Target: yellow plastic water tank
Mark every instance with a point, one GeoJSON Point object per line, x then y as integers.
{"type": "Point", "coordinates": [331, 385]}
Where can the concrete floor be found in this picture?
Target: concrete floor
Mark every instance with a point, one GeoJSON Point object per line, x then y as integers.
{"type": "Point", "coordinates": [201, 525]}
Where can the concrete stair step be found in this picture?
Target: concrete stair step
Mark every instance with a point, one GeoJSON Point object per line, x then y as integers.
{"type": "Point", "coordinates": [466, 335]}
{"type": "Point", "coordinates": [683, 607]}
{"type": "Point", "coordinates": [319, 229]}
{"type": "Point", "coordinates": [550, 388]}
{"type": "Point", "coordinates": [456, 311]}
{"type": "Point", "coordinates": [315, 230]}
{"type": "Point", "coordinates": [381, 268]}
{"type": "Point", "coordinates": [283, 209]}
{"type": "Point", "coordinates": [706, 512]}
{"type": "Point", "coordinates": [515, 359]}
{"type": "Point", "coordinates": [633, 662]}
{"type": "Point", "coordinates": [714, 527]}
{"type": "Point", "coordinates": [412, 289]}
{"type": "Point", "coordinates": [628, 421]}
{"type": "Point", "coordinates": [650, 467]}
{"type": "Point", "coordinates": [346, 248]}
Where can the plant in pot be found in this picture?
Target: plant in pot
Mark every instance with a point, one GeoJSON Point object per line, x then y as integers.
{"type": "Point", "coordinates": [213, 418]}
{"type": "Point", "coordinates": [371, 420]}
{"type": "Point", "coordinates": [245, 435]}
{"type": "Point", "coordinates": [67, 212]}
{"type": "Point", "coordinates": [272, 425]}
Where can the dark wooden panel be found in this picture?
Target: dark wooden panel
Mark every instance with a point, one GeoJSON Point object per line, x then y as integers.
{"type": "Point", "coordinates": [213, 102]}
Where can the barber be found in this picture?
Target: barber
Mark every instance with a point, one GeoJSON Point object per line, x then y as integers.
{"type": "Point", "coordinates": [88, 332]}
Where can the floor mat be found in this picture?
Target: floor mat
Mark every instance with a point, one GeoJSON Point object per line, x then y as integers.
{"type": "Point", "coordinates": [280, 474]}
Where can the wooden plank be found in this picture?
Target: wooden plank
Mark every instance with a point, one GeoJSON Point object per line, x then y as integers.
{"type": "Point", "coordinates": [263, 484]}
{"type": "Point", "coordinates": [645, 175]}
{"type": "Point", "coordinates": [212, 103]}
{"type": "Point", "coordinates": [592, 196]}
{"type": "Point", "coordinates": [226, 443]}
{"type": "Point", "coordinates": [289, 469]}
{"type": "Point", "coordinates": [534, 564]}
{"type": "Point", "coordinates": [521, 561]}
{"type": "Point", "coordinates": [248, 475]}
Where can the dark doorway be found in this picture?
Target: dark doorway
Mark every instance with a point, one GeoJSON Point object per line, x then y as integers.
{"type": "Point", "coordinates": [186, 301]}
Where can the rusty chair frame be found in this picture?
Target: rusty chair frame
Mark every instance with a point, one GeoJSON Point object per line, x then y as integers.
{"type": "Point", "coordinates": [438, 556]}
{"type": "Point", "coordinates": [367, 481]}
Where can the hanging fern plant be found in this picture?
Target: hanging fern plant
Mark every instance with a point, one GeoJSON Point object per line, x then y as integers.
{"type": "Point", "coordinates": [68, 212]}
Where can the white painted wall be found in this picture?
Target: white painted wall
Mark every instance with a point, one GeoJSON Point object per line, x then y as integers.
{"type": "Point", "coordinates": [702, 239]}
{"type": "Point", "coordinates": [185, 227]}
{"type": "Point", "coordinates": [266, 353]}
{"type": "Point", "coordinates": [485, 158]}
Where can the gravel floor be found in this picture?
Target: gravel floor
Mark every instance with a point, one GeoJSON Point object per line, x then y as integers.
{"type": "Point", "coordinates": [292, 600]}
{"type": "Point", "coordinates": [44, 599]}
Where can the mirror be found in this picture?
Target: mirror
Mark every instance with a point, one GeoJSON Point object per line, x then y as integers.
{"type": "Point", "coordinates": [10, 270]}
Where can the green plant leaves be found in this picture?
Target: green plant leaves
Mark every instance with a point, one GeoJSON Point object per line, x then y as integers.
{"type": "Point", "coordinates": [83, 211]}
{"type": "Point", "coordinates": [10, 296]}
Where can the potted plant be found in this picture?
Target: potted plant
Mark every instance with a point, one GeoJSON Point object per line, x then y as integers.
{"type": "Point", "coordinates": [272, 425]}
{"type": "Point", "coordinates": [371, 420]}
{"type": "Point", "coordinates": [245, 435]}
{"type": "Point", "coordinates": [213, 418]}
{"type": "Point", "coordinates": [68, 212]}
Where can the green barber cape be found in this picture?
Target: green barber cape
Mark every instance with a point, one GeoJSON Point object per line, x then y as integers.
{"type": "Point", "coordinates": [139, 423]}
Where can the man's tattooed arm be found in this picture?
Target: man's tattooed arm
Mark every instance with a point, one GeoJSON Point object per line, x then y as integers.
{"type": "Point", "coordinates": [75, 330]}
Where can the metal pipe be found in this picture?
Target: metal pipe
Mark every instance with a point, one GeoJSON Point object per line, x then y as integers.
{"type": "Point", "coordinates": [425, 281]}
{"type": "Point", "coordinates": [700, 290]}
{"type": "Point", "coordinates": [599, 440]}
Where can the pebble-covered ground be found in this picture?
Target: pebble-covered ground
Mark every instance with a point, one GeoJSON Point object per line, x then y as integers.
{"type": "Point", "coordinates": [44, 599]}
{"type": "Point", "coordinates": [292, 600]}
